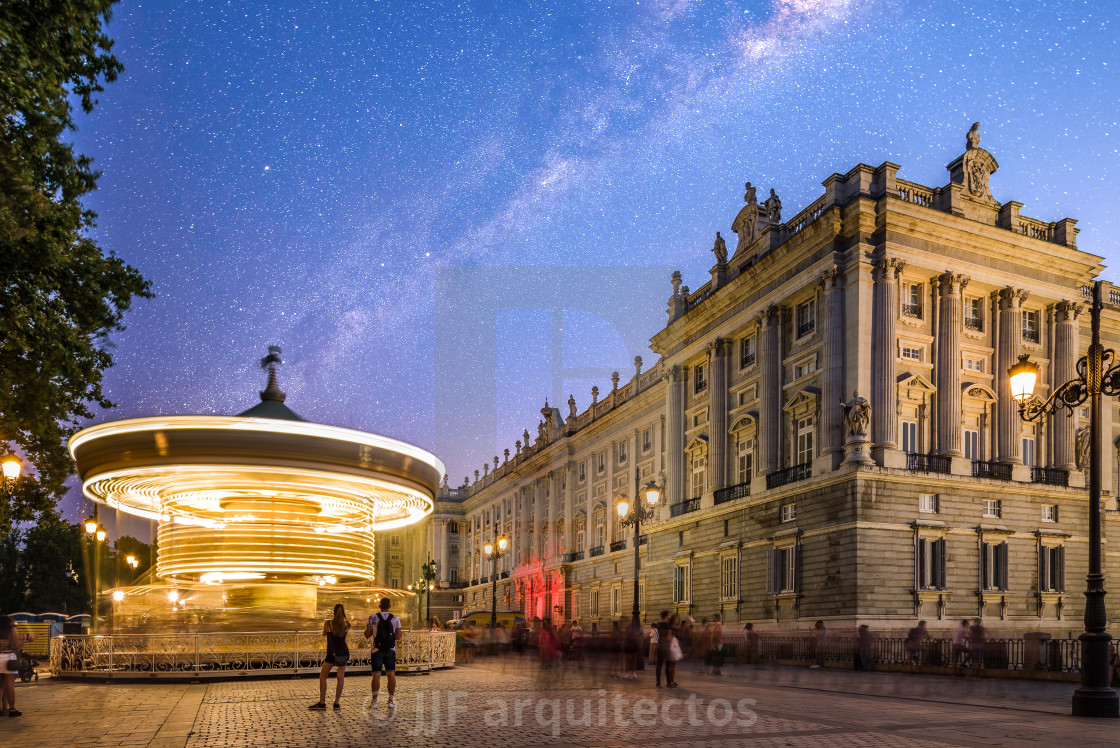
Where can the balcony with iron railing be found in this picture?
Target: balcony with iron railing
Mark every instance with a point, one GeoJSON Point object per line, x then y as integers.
{"type": "Point", "coordinates": [684, 507]}
{"type": "Point", "coordinates": [974, 323]}
{"type": "Point", "coordinates": [731, 493]}
{"type": "Point", "coordinates": [804, 328]}
{"type": "Point", "coordinates": [575, 556]}
{"type": "Point", "coordinates": [618, 545]}
{"type": "Point", "coordinates": [912, 310]}
{"type": "Point", "coordinates": [919, 463]}
{"type": "Point", "coordinates": [1031, 335]}
{"type": "Point", "coordinates": [789, 475]}
{"type": "Point", "coordinates": [596, 551]}
{"type": "Point", "coordinates": [994, 470]}
{"type": "Point", "coordinates": [1050, 476]}
{"type": "Point", "coordinates": [747, 359]}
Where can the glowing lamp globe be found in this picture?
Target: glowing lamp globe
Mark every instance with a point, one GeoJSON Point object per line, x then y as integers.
{"type": "Point", "coordinates": [1023, 375]}
{"type": "Point", "coordinates": [623, 508]}
{"type": "Point", "coordinates": [11, 467]}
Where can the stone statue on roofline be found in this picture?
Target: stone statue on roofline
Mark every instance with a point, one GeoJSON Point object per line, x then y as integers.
{"type": "Point", "coordinates": [857, 417]}
{"type": "Point", "coordinates": [972, 139]}
{"type": "Point", "coordinates": [745, 224]}
{"type": "Point", "coordinates": [773, 207]}
{"type": "Point", "coordinates": [720, 249]}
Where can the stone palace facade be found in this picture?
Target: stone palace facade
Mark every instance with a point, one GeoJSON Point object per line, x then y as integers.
{"type": "Point", "coordinates": [831, 423]}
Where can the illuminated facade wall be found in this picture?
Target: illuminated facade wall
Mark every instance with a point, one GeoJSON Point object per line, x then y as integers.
{"type": "Point", "coordinates": [914, 298]}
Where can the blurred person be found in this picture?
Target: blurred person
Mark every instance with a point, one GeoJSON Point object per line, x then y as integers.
{"type": "Point", "coordinates": [338, 655]}
{"type": "Point", "coordinates": [976, 644]}
{"type": "Point", "coordinates": [816, 641]}
{"type": "Point", "coordinates": [11, 644]}
{"type": "Point", "coordinates": [864, 643]}
{"type": "Point", "coordinates": [674, 652]}
{"type": "Point", "coordinates": [960, 646]}
{"type": "Point", "coordinates": [716, 644]}
{"type": "Point", "coordinates": [752, 643]}
{"type": "Point", "coordinates": [915, 639]}
{"type": "Point", "coordinates": [632, 642]}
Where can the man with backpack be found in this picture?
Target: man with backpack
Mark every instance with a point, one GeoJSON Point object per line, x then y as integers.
{"type": "Point", "coordinates": [385, 628]}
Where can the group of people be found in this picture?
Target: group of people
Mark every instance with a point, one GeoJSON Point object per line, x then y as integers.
{"type": "Point", "coordinates": [385, 628]}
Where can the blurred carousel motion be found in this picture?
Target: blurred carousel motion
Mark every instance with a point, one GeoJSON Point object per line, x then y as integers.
{"type": "Point", "coordinates": [265, 520]}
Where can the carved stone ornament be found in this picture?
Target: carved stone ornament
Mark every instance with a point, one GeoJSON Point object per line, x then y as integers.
{"type": "Point", "coordinates": [978, 166]}
{"type": "Point", "coordinates": [1083, 448]}
{"type": "Point", "coordinates": [857, 417]}
{"type": "Point", "coordinates": [886, 268]}
{"type": "Point", "coordinates": [745, 224]}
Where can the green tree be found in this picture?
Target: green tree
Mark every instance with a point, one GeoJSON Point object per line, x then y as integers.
{"type": "Point", "coordinates": [12, 592]}
{"type": "Point", "coordinates": [49, 549]}
{"type": "Point", "coordinates": [60, 295]}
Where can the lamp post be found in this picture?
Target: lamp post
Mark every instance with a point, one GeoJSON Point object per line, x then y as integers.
{"type": "Point", "coordinates": [1093, 698]}
{"type": "Point", "coordinates": [635, 515]}
{"type": "Point", "coordinates": [97, 535]}
{"type": "Point", "coordinates": [494, 551]}
{"type": "Point", "coordinates": [428, 574]}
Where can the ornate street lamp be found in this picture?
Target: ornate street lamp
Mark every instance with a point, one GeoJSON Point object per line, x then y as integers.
{"type": "Point", "coordinates": [97, 535]}
{"type": "Point", "coordinates": [428, 575]}
{"type": "Point", "coordinates": [634, 515]}
{"type": "Point", "coordinates": [1093, 698]}
{"type": "Point", "coordinates": [11, 467]}
{"type": "Point", "coordinates": [495, 552]}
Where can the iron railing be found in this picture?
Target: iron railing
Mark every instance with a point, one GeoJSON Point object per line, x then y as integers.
{"type": "Point", "coordinates": [232, 654]}
{"type": "Point", "coordinates": [684, 507]}
{"type": "Point", "coordinates": [789, 475]}
{"type": "Point", "coordinates": [804, 328]}
{"type": "Point", "coordinates": [912, 310]}
{"type": "Point", "coordinates": [928, 463]}
{"type": "Point", "coordinates": [575, 556]}
{"type": "Point", "coordinates": [996, 470]}
{"type": "Point", "coordinates": [731, 493]}
{"type": "Point", "coordinates": [974, 323]}
{"type": "Point", "coordinates": [596, 551]}
{"type": "Point", "coordinates": [618, 545]}
{"type": "Point", "coordinates": [1050, 476]}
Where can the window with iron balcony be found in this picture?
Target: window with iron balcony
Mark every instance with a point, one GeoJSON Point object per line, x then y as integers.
{"type": "Point", "coordinates": [746, 352]}
{"type": "Point", "coordinates": [1031, 327]}
{"type": "Point", "coordinates": [806, 317]}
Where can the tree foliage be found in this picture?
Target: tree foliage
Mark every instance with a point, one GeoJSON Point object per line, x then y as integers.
{"type": "Point", "coordinates": [60, 295]}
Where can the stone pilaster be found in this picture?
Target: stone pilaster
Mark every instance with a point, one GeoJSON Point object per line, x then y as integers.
{"type": "Point", "coordinates": [674, 436]}
{"type": "Point", "coordinates": [570, 507]}
{"type": "Point", "coordinates": [950, 321]}
{"type": "Point", "coordinates": [717, 405]}
{"type": "Point", "coordinates": [884, 352]}
{"type": "Point", "coordinates": [1062, 426]}
{"type": "Point", "coordinates": [770, 416]}
{"type": "Point", "coordinates": [832, 388]}
{"type": "Point", "coordinates": [1009, 427]}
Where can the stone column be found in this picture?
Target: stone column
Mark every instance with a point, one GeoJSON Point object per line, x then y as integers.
{"type": "Point", "coordinates": [770, 416]}
{"type": "Point", "coordinates": [832, 389]}
{"type": "Point", "coordinates": [570, 507]}
{"type": "Point", "coordinates": [555, 506]}
{"type": "Point", "coordinates": [1010, 341]}
{"type": "Point", "coordinates": [884, 353]}
{"type": "Point", "coordinates": [717, 404]}
{"type": "Point", "coordinates": [950, 320]}
{"type": "Point", "coordinates": [674, 435]}
{"type": "Point", "coordinates": [1064, 369]}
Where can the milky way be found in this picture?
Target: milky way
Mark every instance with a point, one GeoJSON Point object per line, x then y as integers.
{"type": "Point", "coordinates": [316, 175]}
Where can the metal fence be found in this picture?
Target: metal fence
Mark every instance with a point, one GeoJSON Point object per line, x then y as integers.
{"type": "Point", "coordinates": [231, 654]}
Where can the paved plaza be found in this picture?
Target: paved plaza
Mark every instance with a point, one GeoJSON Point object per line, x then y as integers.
{"type": "Point", "coordinates": [495, 703]}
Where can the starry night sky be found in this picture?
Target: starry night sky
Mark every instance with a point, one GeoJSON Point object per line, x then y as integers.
{"type": "Point", "coordinates": [312, 174]}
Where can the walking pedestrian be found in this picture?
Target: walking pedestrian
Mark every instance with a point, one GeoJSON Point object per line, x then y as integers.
{"type": "Point", "coordinates": [664, 635]}
{"type": "Point", "coordinates": [752, 643]}
{"type": "Point", "coordinates": [631, 645]}
{"type": "Point", "coordinates": [385, 628]}
{"type": "Point", "coordinates": [338, 655]}
{"type": "Point", "coordinates": [11, 643]}
{"type": "Point", "coordinates": [816, 641]}
{"type": "Point", "coordinates": [675, 653]}
{"type": "Point", "coordinates": [914, 641]}
{"type": "Point", "coordinates": [705, 639]}
{"type": "Point", "coordinates": [976, 644]}
{"type": "Point", "coordinates": [717, 645]}
{"type": "Point", "coordinates": [864, 641]}
{"type": "Point", "coordinates": [960, 647]}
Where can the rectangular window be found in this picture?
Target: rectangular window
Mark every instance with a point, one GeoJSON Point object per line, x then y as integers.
{"type": "Point", "coordinates": [912, 300]}
{"type": "Point", "coordinates": [746, 352]}
{"type": "Point", "coordinates": [729, 578]}
{"type": "Point", "coordinates": [911, 354]}
{"type": "Point", "coordinates": [991, 508]}
{"type": "Point", "coordinates": [805, 368]}
{"type": "Point", "coordinates": [745, 460]}
{"type": "Point", "coordinates": [600, 531]}
{"type": "Point", "coordinates": [972, 444]}
{"type": "Point", "coordinates": [1028, 451]}
{"type": "Point", "coordinates": [602, 461]}
{"type": "Point", "coordinates": [993, 566]}
{"type": "Point", "coordinates": [582, 477]}
{"type": "Point", "coordinates": [782, 563]}
{"type": "Point", "coordinates": [1051, 568]}
{"type": "Point", "coordinates": [1031, 326]}
{"type": "Point", "coordinates": [701, 378]}
{"type": "Point", "coordinates": [647, 440]}
{"type": "Point", "coordinates": [1050, 513]}
{"type": "Point", "coordinates": [680, 584]}
{"type": "Point", "coordinates": [927, 503]}
{"type": "Point", "coordinates": [974, 364]}
{"type": "Point", "coordinates": [699, 468]}
{"type": "Point", "coordinates": [453, 528]}
{"type": "Point", "coordinates": [395, 583]}
{"type": "Point", "coordinates": [394, 541]}
{"type": "Point", "coordinates": [454, 576]}
{"type": "Point", "coordinates": [930, 564]}
{"type": "Point", "coordinates": [616, 601]}
{"type": "Point", "coordinates": [622, 453]}
{"type": "Point", "coordinates": [974, 314]}
{"type": "Point", "coordinates": [804, 440]}
{"type": "Point", "coordinates": [641, 594]}
{"type": "Point", "coordinates": [594, 603]}
{"type": "Point", "coordinates": [787, 512]}
{"type": "Point", "coordinates": [910, 437]}
{"type": "Point", "coordinates": [806, 317]}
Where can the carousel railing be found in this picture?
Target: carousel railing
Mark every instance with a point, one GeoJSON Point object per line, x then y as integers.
{"type": "Point", "coordinates": [221, 654]}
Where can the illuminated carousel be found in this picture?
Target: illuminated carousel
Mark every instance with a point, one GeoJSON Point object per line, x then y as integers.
{"type": "Point", "coordinates": [265, 519]}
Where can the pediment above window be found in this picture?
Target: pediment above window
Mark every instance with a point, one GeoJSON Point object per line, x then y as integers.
{"type": "Point", "coordinates": [806, 399]}
{"type": "Point", "coordinates": [743, 423]}
{"type": "Point", "coordinates": [698, 444]}
{"type": "Point", "coordinates": [978, 391]}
